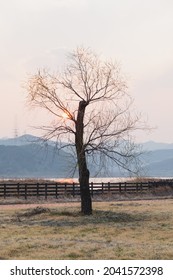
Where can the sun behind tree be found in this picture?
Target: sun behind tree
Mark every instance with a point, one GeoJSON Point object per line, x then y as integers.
{"type": "Point", "coordinates": [92, 111]}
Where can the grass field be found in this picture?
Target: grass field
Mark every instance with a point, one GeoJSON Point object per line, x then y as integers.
{"type": "Point", "coordinates": [116, 230]}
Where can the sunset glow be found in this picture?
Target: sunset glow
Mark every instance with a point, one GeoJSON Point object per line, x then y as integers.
{"type": "Point", "coordinates": [65, 115]}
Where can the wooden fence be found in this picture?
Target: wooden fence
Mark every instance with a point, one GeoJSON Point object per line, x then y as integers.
{"type": "Point", "coordinates": [25, 190]}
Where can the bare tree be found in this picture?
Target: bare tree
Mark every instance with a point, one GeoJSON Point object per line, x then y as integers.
{"type": "Point", "coordinates": [92, 112]}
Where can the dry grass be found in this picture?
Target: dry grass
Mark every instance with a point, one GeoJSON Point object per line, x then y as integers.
{"type": "Point", "coordinates": [116, 230]}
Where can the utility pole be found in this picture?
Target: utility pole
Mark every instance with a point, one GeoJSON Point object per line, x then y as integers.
{"type": "Point", "coordinates": [16, 134]}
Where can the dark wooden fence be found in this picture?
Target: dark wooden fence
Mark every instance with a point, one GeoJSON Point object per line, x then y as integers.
{"type": "Point", "coordinates": [56, 190]}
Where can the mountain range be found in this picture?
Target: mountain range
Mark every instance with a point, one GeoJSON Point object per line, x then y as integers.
{"type": "Point", "coordinates": [28, 156]}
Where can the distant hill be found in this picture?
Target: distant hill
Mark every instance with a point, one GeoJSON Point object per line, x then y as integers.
{"type": "Point", "coordinates": [33, 160]}
{"type": "Point", "coordinates": [162, 168]}
{"type": "Point", "coordinates": [158, 163]}
{"type": "Point", "coordinates": [25, 139]}
{"type": "Point", "coordinates": [28, 139]}
{"type": "Point", "coordinates": [152, 146]}
{"type": "Point", "coordinates": [29, 156]}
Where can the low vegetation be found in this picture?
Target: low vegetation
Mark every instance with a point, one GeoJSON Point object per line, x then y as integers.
{"type": "Point", "coordinates": [116, 230]}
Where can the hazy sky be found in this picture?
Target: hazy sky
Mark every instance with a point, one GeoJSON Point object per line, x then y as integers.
{"type": "Point", "coordinates": [136, 33]}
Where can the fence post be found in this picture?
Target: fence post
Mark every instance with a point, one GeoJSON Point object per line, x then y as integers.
{"type": "Point", "coordinates": [125, 187]}
{"type": "Point", "coordinates": [136, 187]}
{"type": "Point", "coordinates": [149, 185]}
{"type": "Point", "coordinates": [109, 187]}
{"type": "Point", "coordinates": [5, 190]}
{"type": "Point", "coordinates": [18, 189]}
{"type": "Point", "coordinates": [120, 187]}
{"type": "Point", "coordinates": [26, 191]}
{"type": "Point", "coordinates": [73, 189]}
{"type": "Point", "coordinates": [45, 191]}
{"type": "Point", "coordinates": [37, 190]}
{"type": "Point", "coordinates": [92, 189]}
{"type": "Point", "coordinates": [65, 189]}
{"type": "Point", "coordinates": [102, 188]}
{"type": "Point", "coordinates": [56, 190]}
{"type": "Point", "coordinates": [141, 187]}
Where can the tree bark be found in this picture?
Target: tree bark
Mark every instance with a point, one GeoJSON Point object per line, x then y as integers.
{"type": "Point", "coordinates": [86, 203]}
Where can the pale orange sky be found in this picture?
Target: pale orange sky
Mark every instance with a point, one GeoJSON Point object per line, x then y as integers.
{"type": "Point", "coordinates": [136, 33]}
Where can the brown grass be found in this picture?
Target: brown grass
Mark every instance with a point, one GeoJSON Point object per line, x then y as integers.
{"type": "Point", "coordinates": [116, 230]}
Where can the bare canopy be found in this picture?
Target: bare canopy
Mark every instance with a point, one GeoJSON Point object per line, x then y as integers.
{"type": "Point", "coordinates": [91, 111]}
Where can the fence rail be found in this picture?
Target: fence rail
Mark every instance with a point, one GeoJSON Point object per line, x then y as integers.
{"type": "Point", "coordinates": [25, 190]}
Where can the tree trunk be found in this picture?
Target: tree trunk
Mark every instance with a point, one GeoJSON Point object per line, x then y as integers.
{"type": "Point", "coordinates": [86, 203]}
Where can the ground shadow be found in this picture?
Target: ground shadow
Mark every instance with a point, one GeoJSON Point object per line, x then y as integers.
{"type": "Point", "coordinates": [53, 217]}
